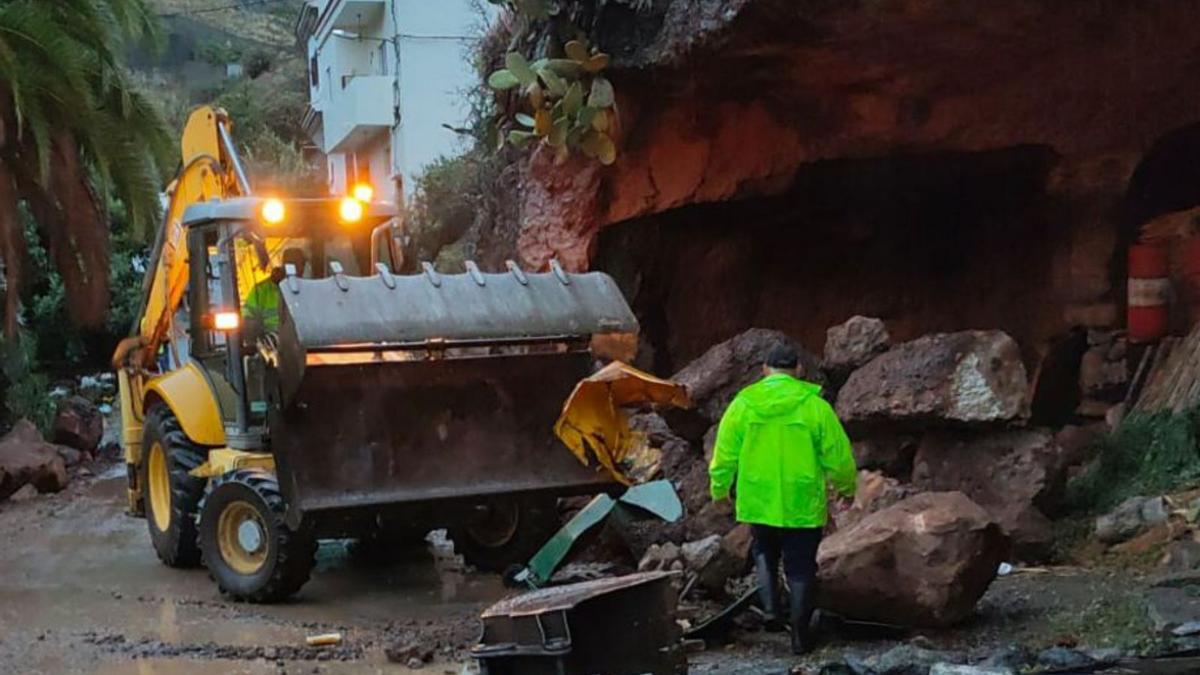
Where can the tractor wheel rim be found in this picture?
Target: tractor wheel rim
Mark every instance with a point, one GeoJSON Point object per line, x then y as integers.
{"type": "Point", "coordinates": [159, 484]}
{"type": "Point", "coordinates": [498, 526]}
{"type": "Point", "coordinates": [241, 538]}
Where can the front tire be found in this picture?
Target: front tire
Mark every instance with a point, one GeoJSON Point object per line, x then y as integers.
{"type": "Point", "coordinates": [171, 494]}
{"type": "Point", "coordinates": [247, 547]}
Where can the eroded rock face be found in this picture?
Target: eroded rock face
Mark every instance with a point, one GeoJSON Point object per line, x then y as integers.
{"type": "Point", "coordinates": [969, 377]}
{"type": "Point", "coordinates": [1017, 476]}
{"type": "Point", "coordinates": [852, 344]}
{"type": "Point", "coordinates": [924, 561]}
{"type": "Point", "coordinates": [78, 424]}
{"type": "Point", "coordinates": [25, 459]}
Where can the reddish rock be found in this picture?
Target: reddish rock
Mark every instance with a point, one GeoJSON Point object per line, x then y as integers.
{"type": "Point", "coordinates": [26, 459]}
{"type": "Point", "coordinates": [924, 561]}
{"type": "Point", "coordinates": [721, 372]}
{"type": "Point", "coordinates": [78, 424]}
{"type": "Point", "coordinates": [875, 492]}
{"type": "Point", "coordinates": [970, 377]}
{"type": "Point", "coordinates": [1017, 476]}
{"type": "Point", "coordinates": [852, 344]}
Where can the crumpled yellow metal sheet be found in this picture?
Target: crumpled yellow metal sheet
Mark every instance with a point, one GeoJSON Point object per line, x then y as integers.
{"type": "Point", "coordinates": [595, 427]}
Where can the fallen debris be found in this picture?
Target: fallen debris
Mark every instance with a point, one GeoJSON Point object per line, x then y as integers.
{"type": "Point", "coordinates": [656, 499]}
{"type": "Point", "coordinates": [852, 344]}
{"type": "Point", "coordinates": [924, 561]}
{"type": "Point", "coordinates": [78, 424]}
{"type": "Point", "coordinates": [596, 429]}
{"type": "Point", "coordinates": [1017, 476]}
{"type": "Point", "coordinates": [27, 459]}
{"type": "Point", "coordinates": [412, 654]}
{"type": "Point", "coordinates": [720, 373]}
{"type": "Point", "coordinates": [1131, 517]}
{"type": "Point", "coordinates": [323, 639]}
{"type": "Point", "coordinates": [574, 628]}
{"type": "Point", "coordinates": [970, 377]}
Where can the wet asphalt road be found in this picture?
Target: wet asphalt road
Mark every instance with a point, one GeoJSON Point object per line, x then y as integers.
{"type": "Point", "coordinates": [82, 592]}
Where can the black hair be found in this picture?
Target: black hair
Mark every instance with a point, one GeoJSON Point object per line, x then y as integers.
{"type": "Point", "coordinates": [782, 357]}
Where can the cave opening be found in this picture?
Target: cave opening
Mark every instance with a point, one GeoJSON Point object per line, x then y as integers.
{"type": "Point", "coordinates": [928, 242]}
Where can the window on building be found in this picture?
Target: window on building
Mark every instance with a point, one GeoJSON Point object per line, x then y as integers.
{"type": "Point", "coordinates": [314, 73]}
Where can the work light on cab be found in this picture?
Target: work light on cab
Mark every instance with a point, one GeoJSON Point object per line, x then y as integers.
{"type": "Point", "coordinates": [363, 192]}
{"type": "Point", "coordinates": [273, 211]}
{"type": "Point", "coordinates": [222, 321]}
{"type": "Point", "coordinates": [350, 210]}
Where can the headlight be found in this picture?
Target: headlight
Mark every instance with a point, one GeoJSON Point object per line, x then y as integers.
{"type": "Point", "coordinates": [350, 210]}
{"type": "Point", "coordinates": [273, 211]}
{"type": "Point", "coordinates": [363, 192]}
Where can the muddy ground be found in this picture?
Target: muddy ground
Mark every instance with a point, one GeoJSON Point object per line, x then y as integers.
{"type": "Point", "coordinates": [81, 591]}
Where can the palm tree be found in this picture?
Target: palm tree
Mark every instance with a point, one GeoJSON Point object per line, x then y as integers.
{"type": "Point", "coordinates": [74, 131]}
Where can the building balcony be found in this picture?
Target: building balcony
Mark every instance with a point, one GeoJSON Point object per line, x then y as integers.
{"type": "Point", "coordinates": [352, 15]}
{"type": "Point", "coordinates": [359, 110]}
{"type": "Point", "coordinates": [313, 124]}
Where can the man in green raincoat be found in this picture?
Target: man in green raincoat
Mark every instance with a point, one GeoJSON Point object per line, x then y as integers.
{"type": "Point", "coordinates": [260, 307]}
{"type": "Point", "coordinates": [782, 442]}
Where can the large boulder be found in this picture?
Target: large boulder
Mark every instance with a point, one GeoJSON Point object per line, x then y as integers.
{"type": "Point", "coordinates": [852, 344]}
{"type": "Point", "coordinates": [716, 377]}
{"type": "Point", "coordinates": [1017, 476]}
{"type": "Point", "coordinates": [26, 459]}
{"type": "Point", "coordinates": [78, 424]}
{"type": "Point", "coordinates": [924, 561]}
{"type": "Point", "coordinates": [971, 377]}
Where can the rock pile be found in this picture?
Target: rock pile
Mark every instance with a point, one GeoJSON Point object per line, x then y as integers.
{"type": "Point", "coordinates": [953, 480]}
{"type": "Point", "coordinates": [27, 459]}
{"type": "Point", "coordinates": [931, 420]}
{"type": "Point", "coordinates": [949, 412]}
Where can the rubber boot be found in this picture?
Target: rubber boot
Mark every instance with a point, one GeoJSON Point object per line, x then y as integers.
{"type": "Point", "coordinates": [801, 614]}
{"type": "Point", "coordinates": [767, 575]}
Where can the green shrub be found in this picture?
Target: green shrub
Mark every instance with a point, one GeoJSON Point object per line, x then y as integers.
{"type": "Point", "coordinates": [1147, 454]}
{"type": "Point", "coordinates": [448, 195]}
{"type": "Point", "coordinates": [27, 391]}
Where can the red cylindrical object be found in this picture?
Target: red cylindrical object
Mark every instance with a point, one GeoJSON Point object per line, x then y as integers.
{"type": "Point", "coordinates": [1149, 292]}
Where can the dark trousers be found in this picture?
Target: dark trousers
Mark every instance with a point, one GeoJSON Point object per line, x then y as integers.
{"type": "Point", "coordinates": [797, 545]}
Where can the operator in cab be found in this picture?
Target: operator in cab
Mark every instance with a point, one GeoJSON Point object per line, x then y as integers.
{"type": "Point", "coordinates": [782, 442]}
{"type": "Point", "coordinates": [260, 307]}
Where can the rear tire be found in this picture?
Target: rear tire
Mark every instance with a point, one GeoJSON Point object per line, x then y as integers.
{"type": "Point", "coordinates": [508, 533]}
{"type": "Point", "coordinates": [247, 547]}
{"type": "Point", "coordinates": [170, 493]}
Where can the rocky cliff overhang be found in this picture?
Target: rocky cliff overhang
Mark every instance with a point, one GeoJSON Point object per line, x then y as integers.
{"type": "Point", "coordinates": [723, 100]}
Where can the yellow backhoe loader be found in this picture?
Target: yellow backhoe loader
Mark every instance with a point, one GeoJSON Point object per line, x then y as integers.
{"type": "Point", "coordinates": [283, 383]}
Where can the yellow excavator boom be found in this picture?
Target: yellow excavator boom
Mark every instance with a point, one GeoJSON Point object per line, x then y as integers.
{"type": "Point", "coordinates": [209, 169]}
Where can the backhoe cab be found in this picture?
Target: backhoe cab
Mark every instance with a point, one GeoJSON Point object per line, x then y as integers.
{"type": "Point", "coordinates": [285, 384]}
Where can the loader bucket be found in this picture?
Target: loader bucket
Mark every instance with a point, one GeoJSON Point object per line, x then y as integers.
{"type": "Point", "coordinates": [406, 389]}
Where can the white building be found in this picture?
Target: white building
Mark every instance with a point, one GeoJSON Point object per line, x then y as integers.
{"type": "Point", "coordinates": [386, 79]}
